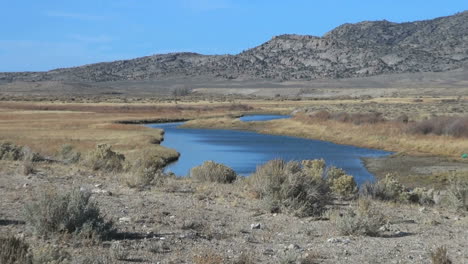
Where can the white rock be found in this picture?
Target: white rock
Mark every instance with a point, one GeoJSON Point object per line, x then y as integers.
{"type": "Point", "coordinates": [256, 226]}
{"type": "Point", "coordinates": [125, 219]}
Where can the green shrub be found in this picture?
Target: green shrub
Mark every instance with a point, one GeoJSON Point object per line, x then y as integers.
{"type": "Point", "coordinates": [72, 212]}
{"type": "Point", "coordinates": [285, 185]}
{"type": "Point", "coordinates": [344, 186]}
{"type": "Point", "coordinates": [14, 250]}
{"type": "Point", "coordinates": [366, 220]}
{"type": "Point", "coordinates": [211, 171]}
{"type": "Point", "coordinates": [68, 154]}
{"type": "Point", "coordinates": [314, 168]}
{"type": "Point", "coordinates": [440, 256]}
{"type": "Point", "coordinates": [104, 158]}
{"type": "Point", "coordinates": [334, 173]}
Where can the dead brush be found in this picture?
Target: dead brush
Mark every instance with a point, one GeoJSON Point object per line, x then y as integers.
{"type": "Point", "coordinates": [14, 251]}
{"type": "Point", "coordinates": [440, 256]}
{"type": "Point", "coordinates": [208, 257]}
{"type": "Point", "coordinates": [104, 158]}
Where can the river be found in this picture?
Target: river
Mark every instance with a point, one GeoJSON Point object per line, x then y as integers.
{"type": "Point", "coordinates": [244, 151]}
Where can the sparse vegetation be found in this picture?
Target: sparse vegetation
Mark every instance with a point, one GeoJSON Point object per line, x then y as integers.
{"type": "Point", "coordinates": [387, 189]}
{"type": "Point", "coordinates": [211, 171]}
{"type": "Point", "coordinates": [456, 126]}
{"type": "Point", "coordinates": [104, 158]}
{"type": "Point", "coordinates": [287, 185]}
{"type": "Point", "coordinates": [10, 151]}
{"type": "Point", "coordinates": [68, 154]}
{"type": "Point", "coordinates": [71, 212]}
{"type": "Point", "coordinates": [14, 251]}
{"type": "Point", "coordinates": [458, 193]}
{"type": "Point", "coordinates": [440, 256]}
{"type": "Point", "coordinates": [366, 220]}
{"type": "Point", "coordinates": [146, 169]}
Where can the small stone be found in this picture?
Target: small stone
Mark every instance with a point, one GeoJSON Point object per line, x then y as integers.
{"type": "Point", "coordinates": [98, 185]}
{"type": "Point", "coordinates": [269, 252]}
{"type": "Point", "coordinates": [333, 240]}
{"type": "Point", "coordinates": [293, 246]}
{"type": "Point", "coordinates": [256, 226]}
{"type": "Point", "coordinates": [125, 219]}
{"type": "Point", "coordinates": [422, 209]}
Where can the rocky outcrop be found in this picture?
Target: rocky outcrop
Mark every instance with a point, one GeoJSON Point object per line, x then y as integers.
{"type": "Point", "coordinates": [350, 50]}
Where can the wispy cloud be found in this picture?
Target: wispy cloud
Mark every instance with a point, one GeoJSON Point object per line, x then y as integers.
{"type": "Point", "coordinates": [78, 16]}
{"type": "Point", "coordinates": [206, 5]}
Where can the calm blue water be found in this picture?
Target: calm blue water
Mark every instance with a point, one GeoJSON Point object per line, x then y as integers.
{"type": "Point", "coordinates": [244, 151]}
{"type": "Point", "coordinates": [250, 118]}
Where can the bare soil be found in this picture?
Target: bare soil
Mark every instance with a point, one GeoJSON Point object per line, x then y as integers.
{"type": "Point", "coordinates": [184, 221]}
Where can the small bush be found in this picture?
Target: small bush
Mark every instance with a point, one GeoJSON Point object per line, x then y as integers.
{"type": "Point", "coordinates": [365, 220]}
{"type": "Point", "coordinates": [72, 212]}
{"type": "Point", "coordinates": [68, 154]}
{"type": "Point", "coordinates": [344, 186]}
{"type": "Point", "coordinates": [104, 158]}
{"type": "Point", "coordinates": [9, 151]}
{"type": "Point", "coordinates": [146, 170]}
{"type": "Point", "coordinates": [387, 189]}
{"type": "Point", "coordinates": [457, 193]}
{"type": "Point", "coordinates": [14, 250]}
{"type": "Point", "coordinates": [211, 171]}
{"type": "Point", "coordinates": [314, 168]}
{"type": "Point", "coordinates": [118, 252]}
{"type": "Point", "coordinates": [440, 256]}
{"type": "Point", "coordinates": [90, 259]}
{"type": "Point", "coordinates": [288, 186]}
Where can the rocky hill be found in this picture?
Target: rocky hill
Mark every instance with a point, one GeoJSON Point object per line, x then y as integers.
{"type": "Point", "coordinates": [351, 50]}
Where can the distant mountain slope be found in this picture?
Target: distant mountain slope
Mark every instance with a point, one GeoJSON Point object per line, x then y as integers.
{"type": "Point", "coordinates": [351, 50]}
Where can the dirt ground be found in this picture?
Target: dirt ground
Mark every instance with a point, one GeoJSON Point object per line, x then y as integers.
{"type": "Point", "coordinates": [189, 222]}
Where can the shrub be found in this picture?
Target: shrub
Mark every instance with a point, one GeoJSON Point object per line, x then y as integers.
{"type": "Point", "coordinates": [90, 259]}
{"type": "Point", "coordinates": [365, 220]}
{"type": "Point", "coordinates": [71, 212]}
{"type": "Point", "coordinates": [440, 256]}
{"type": "Point", "coordinates": [387, 189]}
{"type": "Point", "coordinates": [314, 168]}
{"type": "Point", "coordinates": [355, 118]}
{"type": "Point", "coordinates": [146, 170]}
{"type": "Point", "coordinates": [118, 252]}
{"type": "Point", "coordinates": [9, 151]}
{"type": "Point", "coordinates": [104, 158]}
{"type": "Point", "coordinates": [211, 171]}
{"type": "Point", "coordinates": [283, 185]}
{"type": "Point", "coordinates": [208, 258]}
{"type": "Point", "coordinates": [344, 185]}
{"type": "Point", "coordinates": [14, 250]}
{"type": "Point", "coordinates": [442, 125]}
{"type": "Point", "coordinates": [68, 155]}
{"type": "Point", "coordinates": [50, 255]}
{"type": "Point", "coordinates": [457, 193]}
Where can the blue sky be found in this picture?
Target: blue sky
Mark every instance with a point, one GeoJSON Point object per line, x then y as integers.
{"type": "Point", "coordinates": [48, 34]}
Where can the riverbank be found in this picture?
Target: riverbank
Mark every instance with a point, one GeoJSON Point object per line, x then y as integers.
{"type": "Point", "coordinates": [417, 161]}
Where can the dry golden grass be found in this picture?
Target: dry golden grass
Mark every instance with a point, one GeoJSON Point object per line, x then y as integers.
{"type": "Point", "coordinates": [46, 126]}
{"type": "Point", "coordinates": [386, 136]}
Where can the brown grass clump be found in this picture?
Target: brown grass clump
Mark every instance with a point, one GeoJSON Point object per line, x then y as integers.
{"type": "Point", "coordinates": [288, 186]}
{"type": "Point", "coordinates": [208, 258]}
{"type": "Point", "coordinates": [104, 158]}
{"type": "Point", "coordinates": [456, 126]}
{"type": "Point", "coordinates": [355, 118]}
{"type": "Point", "coordinates": [72, 212]}
{"type": "Point", "coordinates": [14, 251]}
{"type": "Point", "coordinates": [440, 256]}
{"type": "Point", "coordinates": [365, 220]}
{"type": "Point", "coordinates": [211, 171]}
